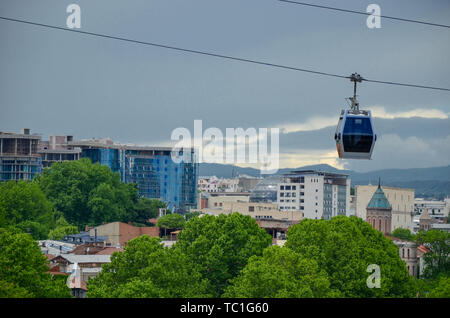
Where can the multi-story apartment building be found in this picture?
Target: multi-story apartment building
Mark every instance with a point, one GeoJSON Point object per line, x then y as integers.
{"type": "Point", "coordinates": [400, 199]}
{"type": "Point", "coordinates": [315, 194]}
{"type": "Point", "coordinates": [150, 168]}
{"type": "Point", "coordinates": [19, 157]}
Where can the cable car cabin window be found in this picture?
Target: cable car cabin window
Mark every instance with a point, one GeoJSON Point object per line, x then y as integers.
{"type": "Point", "coordinates": [358, 126]}
{"type": "Point", "coordinates": [357, 143]}
{"type": "Point", "coordinates": [358, 135]}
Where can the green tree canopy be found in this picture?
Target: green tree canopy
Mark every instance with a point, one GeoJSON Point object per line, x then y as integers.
{"type": "Point", "coordinates": [62, 228]}
{"type": "Point", "coordinates": [191, 215]}
{"type": "Point", "coordinates": [221, 246]}
{"type": "Point", "coordinates": [146, 269]}
{"type": "Point", "coordinates": [437, 260]}
{"type": "Point", "coordinates": [23, 205]}
{"type": "Point", "coordinates": [344, 247]}
{"type": "Point", "coordinates": [88, 193]}
{"type": "Point", "coordinates": [403, 234]}
{"type": "Point", "coordinates": [442, 290]}
{"type": "Point", "coordinates": [280, 273]}
{"type": "Point", "coordinates": [171, 221]}
{"type": "Point", "coordinates": [24, 269]}
{"type": "Point", "coordinates": [146, 209]}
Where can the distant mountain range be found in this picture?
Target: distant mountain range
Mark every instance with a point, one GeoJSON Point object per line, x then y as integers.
{"type": "Point", "coordinates": [427, 182]}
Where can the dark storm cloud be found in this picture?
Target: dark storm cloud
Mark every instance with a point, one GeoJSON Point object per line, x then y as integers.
{"type": "Point", "coordinates": [61, 83]}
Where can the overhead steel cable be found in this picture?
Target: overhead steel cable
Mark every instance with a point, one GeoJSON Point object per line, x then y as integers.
{"type": "Point", "coordinates": [363, 13]}
{"type": "Point", "coordinates": [239, 59]}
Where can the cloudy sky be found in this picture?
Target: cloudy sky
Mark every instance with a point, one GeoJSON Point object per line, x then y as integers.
{"type": "Point", "coordinates": [57, 82]}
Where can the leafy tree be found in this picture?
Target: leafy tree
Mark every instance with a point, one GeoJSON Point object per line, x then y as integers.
{"type": "Point", "coordinates": [146, 269]}
{"type": "Point", "coordinates": [23, 205]}
{"type": "Point", "coordinates": [146, 209]}
{"type": "Point", "coordinates": [191, 215]}
{"type": "Point", "coordinates": [280, 273]}
{"type": "Point", "coordinates": [403, 234]}
{"type": "Point", "coordinates": [221, 246]}
{"type": "Point", "coordinates": [173, 221]}
{"type": "Point", "coordinates": [9, 290]}
{"type": "Point", "coordinates": [442, 290]}
{"type": "Point", "coordinates": [344, 247]}
{"type": "Point", "coordinates": [437, 260]}
{"type": "Point", "coordinates": [24, 269]}
{"type": "Point", "coordinates": [62, 229]}
{"type": "Point", "coordinates": [88, 193]}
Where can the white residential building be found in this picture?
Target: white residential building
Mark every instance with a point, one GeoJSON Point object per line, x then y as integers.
{"type": "Point", "coordinates": [214, 184]}
{"type": "Point", "coordinates": [208, 184]}
{"type": "Point", "coordinates": [437, 209]}
{"type": "Point", "coordinates": [315, 194]}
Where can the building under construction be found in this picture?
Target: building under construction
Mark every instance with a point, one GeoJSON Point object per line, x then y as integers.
{"type": "Point", "coordinates": [150, 168]}
{"type": "Point", "coordinates": [19, 157]}
{"type": "Point", "coordinates": [56, 149]}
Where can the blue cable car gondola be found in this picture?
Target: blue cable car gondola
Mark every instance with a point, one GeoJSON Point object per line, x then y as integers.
{"type": "Point", "coordinates": [354, 135]}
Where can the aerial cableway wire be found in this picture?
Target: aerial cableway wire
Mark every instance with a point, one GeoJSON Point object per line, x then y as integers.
{"type": "Point", "coordinates": [205, 53]}
{"type": "Point", "coordinates": [363, 13]}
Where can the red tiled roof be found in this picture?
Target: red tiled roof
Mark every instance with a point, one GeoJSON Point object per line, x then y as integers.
{"type": "Point", "coordinates": [109, 251]}
{"type": "Point", "coordinates": [58, 273]}
{"type": "Point", "coordinates": [49, 256]}
{"type": "Point", "coordinates": [423, 249]}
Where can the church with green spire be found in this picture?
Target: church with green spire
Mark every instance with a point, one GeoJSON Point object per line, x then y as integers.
{"type": "Point", "coordinates": [379, 211]}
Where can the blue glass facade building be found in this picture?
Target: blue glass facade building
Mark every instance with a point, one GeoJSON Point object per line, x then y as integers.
{"type": "Point", "coordinates": [152, 170]}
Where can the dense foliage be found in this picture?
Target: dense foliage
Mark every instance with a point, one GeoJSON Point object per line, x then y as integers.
{"type": "Point", "coordinates": [221, 246]}
{"type": "Point", "coordinates": [62, 228]}
{"type": "Point", "coordinates": [24, 206]}
{"type": "Point", "coordinates": [437, 260]}
{"type": "Point", "coordinates": [145, 209]}
{"type": "Point", "coordinates": [88, 193]}
{"type": "Point", "coordinates": [146, 269]}
{"type": "Point", "coordinates": [403, 234]}
{"type": "Point", "coordinates": [173, 221]}
{"type": "Point", "coordinates": [23, 269]}
{"type": "Point", "coordinates": [344, 247]}
{"type": "Point", "coordinates": [280, 273]}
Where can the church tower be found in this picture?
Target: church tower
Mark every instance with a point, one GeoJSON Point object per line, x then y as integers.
{"type": "Point", "coordinates": [379, 211]}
